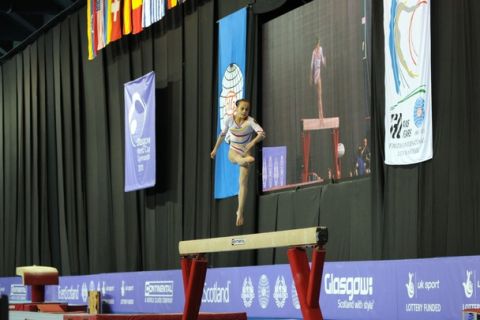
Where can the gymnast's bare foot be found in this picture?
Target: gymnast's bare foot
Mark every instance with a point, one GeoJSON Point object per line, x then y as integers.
{"type": "Point", "coordinates": [239, 219]}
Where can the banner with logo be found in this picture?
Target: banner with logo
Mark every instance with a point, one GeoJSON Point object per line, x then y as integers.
{"type": "Point", "coordinates": [396, 289]}
{"type": "Point", "coordinates": [232, 42]}
{"type": "Point", "coordinates": [140, 164]}
{"type": "Point", "coordinates": [274, 167]}
{"type": "Point", "coordinates": [408, 96]}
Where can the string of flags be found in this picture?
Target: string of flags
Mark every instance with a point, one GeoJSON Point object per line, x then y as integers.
{"type": "Point", "coordinates": [109, 20]}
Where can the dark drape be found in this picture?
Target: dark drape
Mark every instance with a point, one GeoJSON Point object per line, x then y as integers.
{"type": "Point", "coordinates": [62, 122]}
{"type": "Point", "coordinates": [61, 157]}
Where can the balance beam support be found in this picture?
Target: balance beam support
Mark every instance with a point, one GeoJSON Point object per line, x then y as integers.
{"type": "Point", "coordinates": [307, 282]}
{"type": "Point", "coordinates": [194, 272]}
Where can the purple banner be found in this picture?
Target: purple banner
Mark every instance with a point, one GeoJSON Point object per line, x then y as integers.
{"type": "Point", "coordinates": [274, 166]}
{"type": "Point", "coordinates": [140, 133]}
{"type": "Point", "coordinates": [397, 289]}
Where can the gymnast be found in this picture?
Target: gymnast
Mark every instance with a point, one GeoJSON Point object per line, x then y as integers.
{"type": "Point", "coordinates": [238, 131]}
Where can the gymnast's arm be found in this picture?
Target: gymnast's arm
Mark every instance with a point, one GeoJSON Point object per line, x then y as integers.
{"type": "Point", "coordinates": [220, 138]}
{"type": "Point", "coordinates": [260, 136]}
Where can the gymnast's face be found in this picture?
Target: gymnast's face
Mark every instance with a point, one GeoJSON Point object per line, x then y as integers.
{"type": "Point", "coordinates": [243, 109]}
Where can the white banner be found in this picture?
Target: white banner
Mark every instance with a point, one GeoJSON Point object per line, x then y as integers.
{"type": "Point", "coordinates": [408, 98]}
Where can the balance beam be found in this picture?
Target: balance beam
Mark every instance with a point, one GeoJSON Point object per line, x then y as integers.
{"type": "Point", "coordinates": [307, 281]}
{"type": "Point", "coordinates": [314, 236]}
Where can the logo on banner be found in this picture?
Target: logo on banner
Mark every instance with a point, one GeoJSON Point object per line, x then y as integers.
{"type": "Point", "coordinates": [216, 294]}
{"type": "Point", "coordinates": [415, 288]}
{"type": "Point", "coordinates": [295, 301]}
{"type": "Point", "coordinates": [410, 285]}
{"type": "Point", "coordinates": [419, 112]}
{"type": "Point", "coordinates": [248, 292]}
{"type": "Point", "coordinates": [280, 293]}
{"type": "Point", "coordinates": [263, 291]}
{"type": "Point", "coordinates": [350, 286]}
{"type": "Point", "coordinates": [159, 291]}
{"type": "Point", "coordinates": [124, 288]}
{"type": "Point", "coordinates": [107, 292]}
{"type": "Point", "coordinates": [468, 284]}
{"type": "Point", "coordinates": [232, 90]}
{"type": "Point", "coordinates": [69, 293]}
{"type": "Point", "coordinates": [18, 292]}
{"type": "Point", "coordinates": [137, 116]}
{"type": "Point", "coordinates": [84, 292]}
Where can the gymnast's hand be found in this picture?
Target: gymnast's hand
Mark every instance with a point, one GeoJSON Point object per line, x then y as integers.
{"type": "Point", "coordinates": [213, 153]}
{"type": "Point", "coordinates": [248, 147]}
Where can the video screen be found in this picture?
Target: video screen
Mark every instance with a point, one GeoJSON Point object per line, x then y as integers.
{"type": "Point", "coordinates": [316, 94]}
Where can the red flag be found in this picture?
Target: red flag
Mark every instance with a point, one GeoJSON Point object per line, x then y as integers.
{"type": "Point", "coordinates": [116, 20]}
{"type": "Point", "coordinates": [137, 16]}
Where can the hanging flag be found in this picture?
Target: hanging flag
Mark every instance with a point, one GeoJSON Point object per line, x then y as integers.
{"type": "Point", "coordinates": [115, 29]}
{"type": "Point", "coordinates": [171, 4]}
{"type": "Point", "coordinates": [137, 16]}
{"type": "Point", "coordinates": [107, 22]}
{"type": "Point", "coordinates": [127, 16]}
{"type": "Point", "coordinates": [100, 24]}
{"type": "Point", "coordinates": [153, 11]}
{"type": "Point", "coordinates": [408, 94]}
{"type": "Point", "coordinates": [232, 43]}
{"type": "Point", "coordinates": [140, 133]}
{"type": "Point", "coordinates": [91, 34]}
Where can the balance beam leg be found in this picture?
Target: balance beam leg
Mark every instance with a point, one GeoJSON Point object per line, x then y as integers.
{"type": "Point", "coordinates": [38, 293]}
{"type": "Point", "coordinates": [306, 155]}
{"type": "Point", "coordinates": [336, 159]}
{"type": "Point", "coordinates": [194, 287]}
{"type": "Point", "coordinates": [315, 279]}
{"type": "Point", "coordinates": [186, 263]}
{"type": "Point", "coordinates": [301, 276]}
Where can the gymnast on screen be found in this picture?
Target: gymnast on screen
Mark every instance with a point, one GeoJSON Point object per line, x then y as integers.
{"type": "Point", "coordinates": [238, 131]}
{"type": "Point", "coordinates": [318, 60]}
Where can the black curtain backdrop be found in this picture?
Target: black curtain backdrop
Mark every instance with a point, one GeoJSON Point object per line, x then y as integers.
{"type": "Point", "coordinates": [61, 157]}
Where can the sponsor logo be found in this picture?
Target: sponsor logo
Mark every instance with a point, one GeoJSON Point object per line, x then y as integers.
{"type": "Point", "coordinates": [107, 292]}
{"type": "Point", "coordinates": [263, 291]}
{"type": "Point", "coordinates": [124, 288]}
{"type": "Point", "coordinates": [216, 294]}
{"type": "Point", "coordinates": [280, 293]}
{"type": "Point", "coordinates": [18, 292]}
{"type": "Point", "coordinates": [350, 286]}
{"type": "Point", "coordinates": [419, 112]}
{"type": "Point", "coordinates": [248, 292]}
{"type": "Point", "coordinates": [396, 125]}
{"type": "Point", "coordinates": [468, 284]}
{"type": "Point", "coordinates": [295, 301]}
{"type": "Point", "coordinates": [159, 291]}
{"type": "Point", "coordinates": [69, 293]}
{"type": "Point", "coordinates": [238, 242]}
{"type": "Point", "coordinates": [410, 285]}
{"type": "Point", "coordinates": [414, 286]}
{"type": "Point", "coordinates": [84, 292]}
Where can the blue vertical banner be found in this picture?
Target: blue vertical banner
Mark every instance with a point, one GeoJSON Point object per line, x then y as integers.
{"type": "Point", "coordinates": [231, 70]}
{"type": "Point", "coordinates": [140, 133]}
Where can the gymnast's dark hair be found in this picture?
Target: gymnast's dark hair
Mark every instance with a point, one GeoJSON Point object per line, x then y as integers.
{"type": "Point", "coordinates": [237, 103]}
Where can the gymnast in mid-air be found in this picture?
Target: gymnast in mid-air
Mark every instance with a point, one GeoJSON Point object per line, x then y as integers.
{"type": "Point", "coordinates": [238, 131]}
